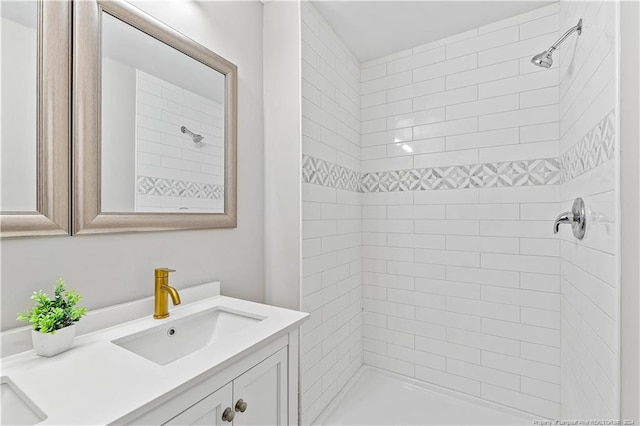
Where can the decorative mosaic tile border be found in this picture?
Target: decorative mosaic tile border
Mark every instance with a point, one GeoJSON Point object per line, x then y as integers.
{"type": "Point", "coordinates": [321, 172]}
{"type": "Point", "coordinates": [594, 149]}
{"type": "Point", "coordinates": [147, 185]}
{"type": "Point", "coordinates": [508, 173]}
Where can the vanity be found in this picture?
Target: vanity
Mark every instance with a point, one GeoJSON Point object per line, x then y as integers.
{"type": "Point", "coordinates": [215, 360]}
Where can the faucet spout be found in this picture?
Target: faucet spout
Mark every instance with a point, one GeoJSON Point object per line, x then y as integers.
{"type": "Point", "coordinates": [563, 218]}
{"type": "Point", "coordinates": [175, 296]}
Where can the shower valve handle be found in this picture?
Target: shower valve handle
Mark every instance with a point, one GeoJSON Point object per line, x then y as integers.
{"type": "Point", "coordinates": [576, 217]}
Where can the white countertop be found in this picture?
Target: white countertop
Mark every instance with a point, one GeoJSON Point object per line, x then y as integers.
{"type": "Point", "coordinates": [98, 382]}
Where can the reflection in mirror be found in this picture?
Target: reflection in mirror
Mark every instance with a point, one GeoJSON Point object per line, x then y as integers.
{"type": "Point", "coordinates": [154, 129]}
{"type": "Point", "coordinates": [162, 119]}
{"type": "Point", "coordinates": [18, 143]}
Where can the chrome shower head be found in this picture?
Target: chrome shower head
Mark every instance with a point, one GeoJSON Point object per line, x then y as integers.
{"type": "Point", "coordinates": [543, 59]}
{"type": "Point", "coordinates": [196, 138]}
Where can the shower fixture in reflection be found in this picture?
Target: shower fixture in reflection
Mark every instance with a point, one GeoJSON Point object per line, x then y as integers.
{"type": "Point", "coordinates": [544, 59]}
{"type": "Point", "coordinates": [196, 138]}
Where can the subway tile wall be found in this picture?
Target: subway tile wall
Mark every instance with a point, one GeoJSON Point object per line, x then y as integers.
{"type": "Point", "coordinates": [466, 154]}
{"type": "Point", "coordinates": [461, 183]}
{"type": "Point", "coordinates": [172, 172]}
{"type": "Point", "coordinates": [331, 341]}
{"type": "Point", "coordinates": [589, 279]}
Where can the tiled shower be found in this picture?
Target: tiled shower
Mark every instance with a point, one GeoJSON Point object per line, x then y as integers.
{"type": "Point", "coordinates": [331, 342]}
{"type": "Point", "coordinates": [184, 175]}
{"type": "Point", "coordinates": [431, 180]}
{"type": "Point", "coordinates": [589, 269]}
{"type": "Point", "coordinates": [157, 167]}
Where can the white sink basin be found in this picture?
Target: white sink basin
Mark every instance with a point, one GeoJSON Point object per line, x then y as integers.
{"type": "Point", "coordinates": [174, 339]}
{"type": "Point", "coordinates": [17, 408]}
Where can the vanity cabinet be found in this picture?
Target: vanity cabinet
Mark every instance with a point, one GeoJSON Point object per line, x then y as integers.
{"type": "Point", "coordinates": [265, 380]}
{"type": "Point", "coordinates": [263, 389]}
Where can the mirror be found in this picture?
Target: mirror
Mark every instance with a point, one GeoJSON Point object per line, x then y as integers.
{"type": "Point", "coordinates": [19, 39]}
{"type": "Point", "coordinates": [35, 71]}
{"type": "Point", "coordinates": [155, 141]}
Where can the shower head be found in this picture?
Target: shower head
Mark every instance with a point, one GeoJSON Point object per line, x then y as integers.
{"type": "Point", "coordinates": [544, 59]}
{"type": "Point", "coordinates": [196, 138]}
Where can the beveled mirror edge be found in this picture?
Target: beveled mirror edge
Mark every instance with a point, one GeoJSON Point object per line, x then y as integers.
{"type": "Point", "coordinates": [87, 217]}
{"type": "Point", "coordinates": [53, 129]}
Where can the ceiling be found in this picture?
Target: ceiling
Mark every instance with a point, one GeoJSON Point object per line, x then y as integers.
{"type": "Point", "coordinates": [22, 12]}
{"type": "Point", "coordinates": [126, 44]}
{"type": "Point", "coordinates": [372, 29]}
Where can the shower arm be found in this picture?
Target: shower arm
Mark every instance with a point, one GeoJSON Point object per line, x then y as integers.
{"type": "Point", "coordinates": [196, 138]}
{"type": "Point", "coordinates": [577, 28]}
{"type": "Point", "coordinates": [183, 129]}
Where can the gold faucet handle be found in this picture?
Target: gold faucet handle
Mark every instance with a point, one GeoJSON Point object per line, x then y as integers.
{"type": "Point", "coordinates": [163, 273]}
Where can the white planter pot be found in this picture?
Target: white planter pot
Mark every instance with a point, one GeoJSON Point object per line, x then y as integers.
{"type": "Point", "coordinates": [47, 344]}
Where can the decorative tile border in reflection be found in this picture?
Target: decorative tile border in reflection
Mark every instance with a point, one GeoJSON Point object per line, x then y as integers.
{"type": "Point", "coordinates": [508, 173]}
{"type": "Point", "coordinates": [147, 185]}
{"type": "Point", "coordinates": [321, 172]}
{"type": "Point", "coordinates": [594, 149]}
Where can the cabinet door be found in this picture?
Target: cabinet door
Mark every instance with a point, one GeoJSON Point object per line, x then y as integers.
{"type": "Point", "coordinates": [264, 389]}
{"type": "Point", "coordinates": [208, 411]}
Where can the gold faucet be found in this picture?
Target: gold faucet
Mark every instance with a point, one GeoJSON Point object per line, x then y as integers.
{"type": "Point", "coordinates": [162, 289]}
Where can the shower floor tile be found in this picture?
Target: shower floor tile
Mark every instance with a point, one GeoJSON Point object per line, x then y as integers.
{"type": "Point", "coordinates": [377, 397]}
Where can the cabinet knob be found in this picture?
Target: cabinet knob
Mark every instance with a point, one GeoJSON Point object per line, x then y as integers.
{"type": "Point", "coordinates": [241, 405]}
{"type": "Point", "coordinates": [228, 414]}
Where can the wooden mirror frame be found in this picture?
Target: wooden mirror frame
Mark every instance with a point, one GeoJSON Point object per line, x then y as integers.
{"type": "Point", "coordinates": [87, 71]}
{"type": "Point", "coordinates": [51, 216]}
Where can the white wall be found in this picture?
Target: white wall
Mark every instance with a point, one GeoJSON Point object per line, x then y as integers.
{"type": "Point", "coordinates": [331, 341]}
{"type": "Point", "coordinates": [282, 137]}
{"type": "Point", "coordinates": [108, 269]}
{"type": "Point", "coordinates": [629, 207]}
{"type": "Point", "coordinates": [589, 268]}
{"type": "Point", "coordinates": [461, 180]}
{"type": "Point", "coordinates": [118, 154]}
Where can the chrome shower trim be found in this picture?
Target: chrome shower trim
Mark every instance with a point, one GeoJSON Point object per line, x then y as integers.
{"type": "Point", "coordinates": [544, 59]}
{"type": "Point", "coordinates": [577, 218]}
{"type": "Point", "coordinates": [196, 138]}
{"type": "Point", "coordinates": [577, 28]}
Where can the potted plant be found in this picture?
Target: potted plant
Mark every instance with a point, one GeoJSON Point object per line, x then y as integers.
{"type": "Point", "coordinates": [53, 320]}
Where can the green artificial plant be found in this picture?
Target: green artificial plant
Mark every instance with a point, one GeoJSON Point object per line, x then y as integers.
{"type": "Point", "coordinates": [49, 315]}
